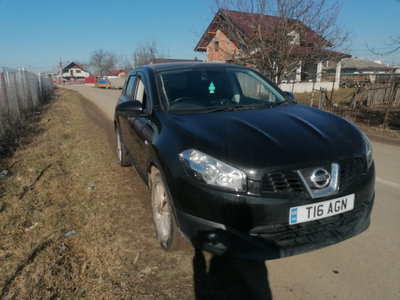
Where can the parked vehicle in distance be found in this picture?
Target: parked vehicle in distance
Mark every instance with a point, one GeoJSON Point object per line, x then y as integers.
{"type": "Point", "coordinates": [102, 82]}
{"type": "Point", "coordinates": [116, 82]}
{"type": "Point", "coordinates": [237, 166]}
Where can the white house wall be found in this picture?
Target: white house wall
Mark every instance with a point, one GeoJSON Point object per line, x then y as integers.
{"type": "Point", "coordinates": [75, 74]}
{"type": "Point", "coordinates": [307, 87]}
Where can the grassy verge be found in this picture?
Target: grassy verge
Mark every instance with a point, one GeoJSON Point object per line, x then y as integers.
{"type": "Point", "coordinates": [73, 224]}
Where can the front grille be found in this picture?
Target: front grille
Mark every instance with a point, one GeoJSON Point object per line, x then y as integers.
{"type": "Point", "coordinates": [287, 181]}
{"type": "Point", "coordinates": [350, 170]}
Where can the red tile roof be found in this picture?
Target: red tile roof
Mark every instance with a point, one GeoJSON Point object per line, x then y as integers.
{"type": "Point", "coordinates": [246, 22]}
{"type": "Point", "coordinates": [116, 72]}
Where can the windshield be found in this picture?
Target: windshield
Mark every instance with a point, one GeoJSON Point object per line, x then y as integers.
{"type": "Point", "coordinates": [211, 89]}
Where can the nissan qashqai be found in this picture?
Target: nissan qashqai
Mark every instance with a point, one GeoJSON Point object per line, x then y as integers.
{"type": "Point", "coordinates": [237, 167]}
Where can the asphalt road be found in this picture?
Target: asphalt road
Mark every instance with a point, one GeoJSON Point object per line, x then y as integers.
{"type": "Point", "coordinates": [364, 267]}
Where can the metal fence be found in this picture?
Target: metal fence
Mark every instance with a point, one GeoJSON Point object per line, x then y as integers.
{"type": "Point", "coordinates": [20, 92]}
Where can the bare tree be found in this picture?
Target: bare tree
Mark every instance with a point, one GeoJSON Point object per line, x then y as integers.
{"type": "Point", "coordinates": [278, 36]}
{"type": "Point", "coordinates": [124, 63]}
{"type": "Point", "coordinates": [393, 47]}
{"type": "Point", "coordinates": [102, 62]}
{"type": "Point", "coordinates": [146, 53]}
{"type": "Point", "coordinates": [395, 43]}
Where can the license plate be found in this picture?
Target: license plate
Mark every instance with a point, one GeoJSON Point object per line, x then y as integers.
{"type": "Point", "coordinates": [320, 210]}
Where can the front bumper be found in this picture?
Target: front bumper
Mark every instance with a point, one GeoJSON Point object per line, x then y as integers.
{"type": "Point", "coordinates": [257, 227]}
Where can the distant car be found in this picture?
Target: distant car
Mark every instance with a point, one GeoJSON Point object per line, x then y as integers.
{"type": "Point", "coordinates": [102, 82]}
{"type": "Point", "coordinates": [238, 166]}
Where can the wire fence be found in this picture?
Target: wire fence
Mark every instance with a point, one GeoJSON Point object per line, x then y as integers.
{"type": "Point", "coordinates": [20, 92]}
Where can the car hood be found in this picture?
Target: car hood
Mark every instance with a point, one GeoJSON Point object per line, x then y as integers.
{"type": "Point", "coordinates": [269, 138]}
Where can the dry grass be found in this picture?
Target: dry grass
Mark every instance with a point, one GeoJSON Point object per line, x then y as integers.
{"type": "Point", "coordinates": [112, 252]}
{"type": "Point", "coordinates": [12, 127]}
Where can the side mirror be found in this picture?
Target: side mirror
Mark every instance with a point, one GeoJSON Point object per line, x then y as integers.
{"type": "Point", "coordinates": [132, 108]}
{"type": "Point", "coordinates": [289, 95]}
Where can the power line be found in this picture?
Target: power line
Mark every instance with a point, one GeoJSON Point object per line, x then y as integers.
{"type": "Point", "coordinates": [366, 49]}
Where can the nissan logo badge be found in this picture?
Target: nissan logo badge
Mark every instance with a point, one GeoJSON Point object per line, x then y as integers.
{"type": "Point", "coordinates": [320, 178]}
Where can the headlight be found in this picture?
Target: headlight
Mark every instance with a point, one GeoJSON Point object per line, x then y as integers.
{"type": "Point", "coordinates": [368, 151]}
{"type": "Point", "coordinates": [212, 171]}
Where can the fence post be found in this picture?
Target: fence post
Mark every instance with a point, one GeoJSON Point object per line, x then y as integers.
{"type": "Point", "coordinates": [312, 93]}
{"type": "Point", "coordinates": [17, 98]}
{"type": "Point", "coordinates": [333, 87]}
{"type": "Point", "coordinates": [321, 95]}
{"type": "Point", "coordinates": [392, 97]}
{"type": "Point", "coordinates": [28, 94]}
{"type": "Point", "coordinates": [4, 90]}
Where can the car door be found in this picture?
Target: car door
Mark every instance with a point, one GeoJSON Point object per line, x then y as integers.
{"type": "Point", "coordinates": [140, 128]}
{"type": "Point", "coordinates": [127, 133]}
{"type": "Point", "coordinates": [143, 125]}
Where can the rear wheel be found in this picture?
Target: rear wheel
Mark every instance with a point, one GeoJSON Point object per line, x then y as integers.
{"type": "Point", "coordinates": [167, 233]}
{"type": "Point", "coordinates": [121, 155]}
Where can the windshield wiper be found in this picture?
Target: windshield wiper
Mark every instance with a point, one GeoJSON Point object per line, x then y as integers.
{"type": "Point", "coordinates": [280, 103]}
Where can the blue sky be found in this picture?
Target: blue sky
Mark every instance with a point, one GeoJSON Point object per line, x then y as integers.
{"type": "Point", "coordinates": [35, 34]}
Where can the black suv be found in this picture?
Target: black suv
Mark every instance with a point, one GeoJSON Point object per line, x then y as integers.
{"type": "Point", "coordinates": [237, 166]}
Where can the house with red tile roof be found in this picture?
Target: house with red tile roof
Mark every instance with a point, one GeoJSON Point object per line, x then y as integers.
{"type": "Point", "coordinates": [117, 73]}
{"type": "Point", "coordinates": [230, 33]}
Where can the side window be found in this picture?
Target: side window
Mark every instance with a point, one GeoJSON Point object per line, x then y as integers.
{"type": "Point", "coordinates": [253, 88]}
{"type": "Point", "coordinates": [129, 88]}
{"type": "Point", "coordinates": [141, 93]}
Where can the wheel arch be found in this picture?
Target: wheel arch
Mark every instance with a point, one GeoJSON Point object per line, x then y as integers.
{"type": "Point", "coordinates": [157, 161]}
{"type": "Point", "coordinates": [155, 165]}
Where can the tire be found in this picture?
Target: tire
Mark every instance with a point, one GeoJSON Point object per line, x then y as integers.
{"type": "Point", "coordinates": [121, 154]}
{"type": "Point", "coordinates": [167, 233]}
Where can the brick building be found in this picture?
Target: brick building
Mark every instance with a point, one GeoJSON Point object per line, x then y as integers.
{"type": "Point", "coordinates": [221, 45]}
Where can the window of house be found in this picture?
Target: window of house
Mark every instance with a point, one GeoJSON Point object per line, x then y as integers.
{"type": "Point", "coordinates": [216, 46]}
{"type": "Point", "coordinates": [295, 36]}
{"type": "Point", "coordinates": [77, 71]}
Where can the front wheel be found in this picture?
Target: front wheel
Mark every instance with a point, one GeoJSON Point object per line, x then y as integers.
{"type": "Point", "coordinates": [163, 216]}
